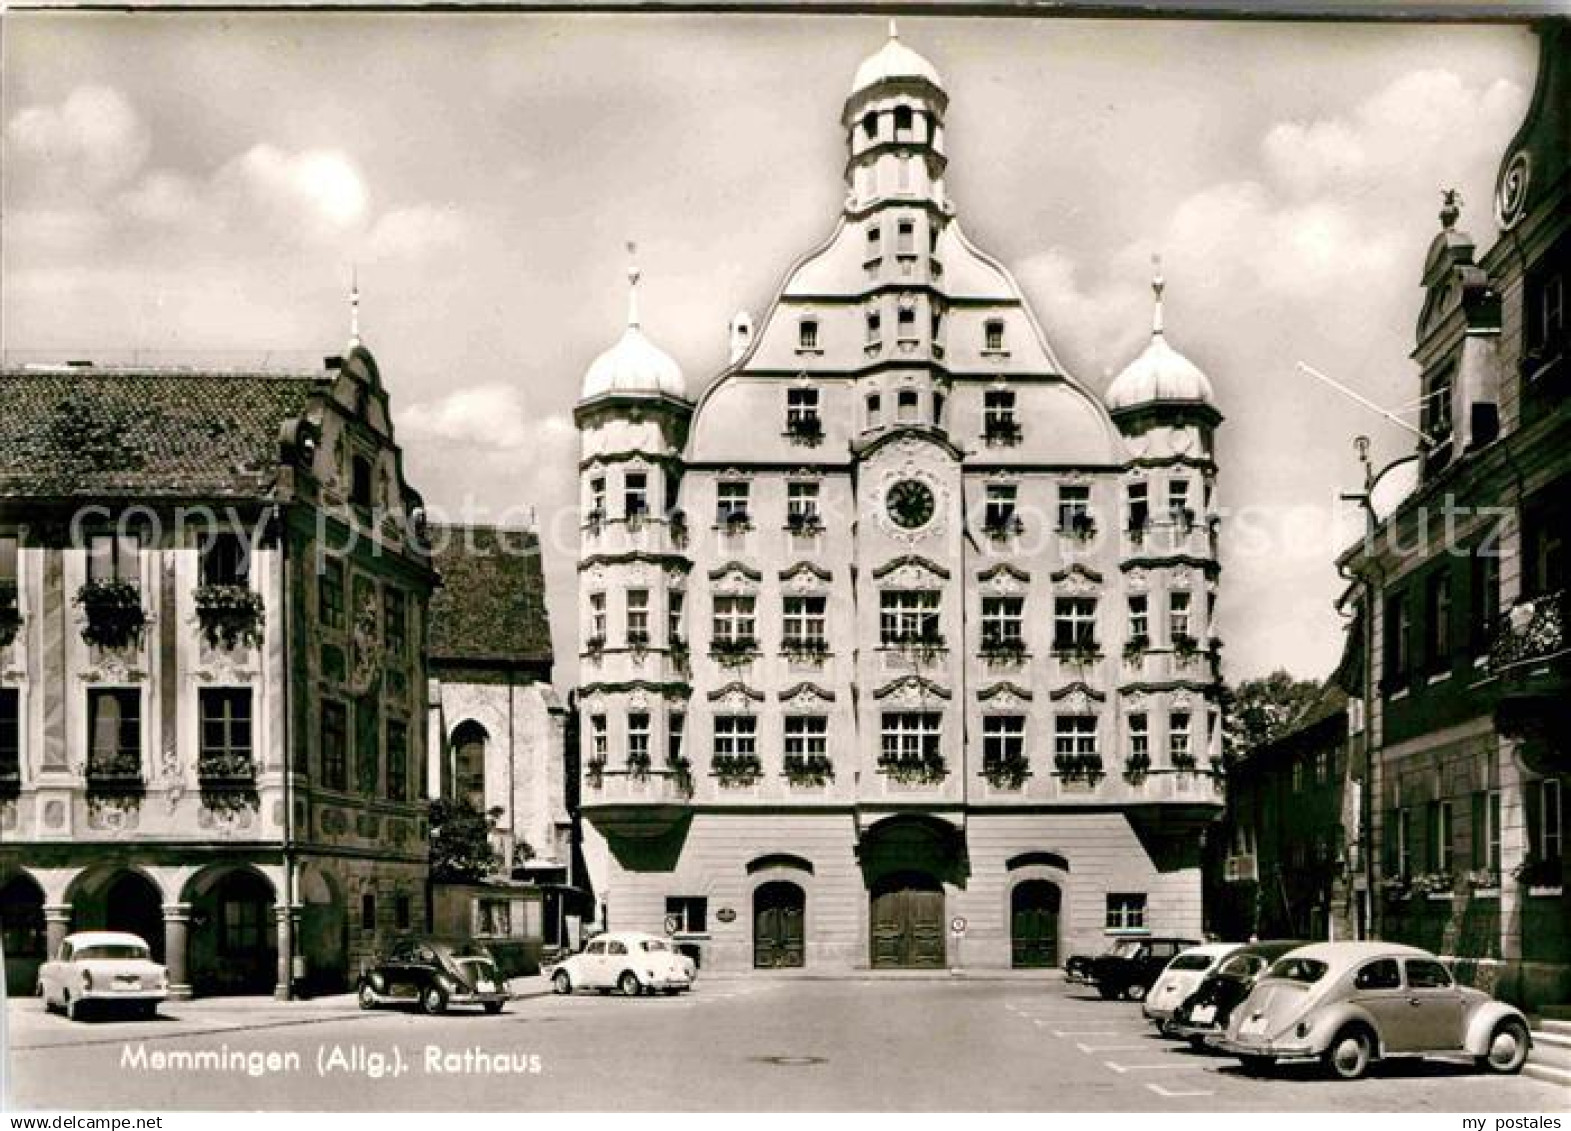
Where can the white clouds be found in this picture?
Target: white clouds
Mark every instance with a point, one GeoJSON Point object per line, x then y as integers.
{"type": "Point", "coordinates": [91, 142]}
{"type": "Point", "coordinates": [313, 194]}
{"type": "Point", "coordinates": [409, 233]}
{"type": "Point", "coordinates": [484, 416]}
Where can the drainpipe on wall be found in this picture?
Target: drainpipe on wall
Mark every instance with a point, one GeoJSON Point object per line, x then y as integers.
{"type": "Point", "coordinates": [291, 958]}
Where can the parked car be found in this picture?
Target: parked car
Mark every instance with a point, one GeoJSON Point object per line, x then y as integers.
{"type": "Point", "coordinates": [1128, 969]}
{"type": "Point", "coordinates": [434, 974]}
{"type": "Point", "coordinates": [1180, 979]}
{"type": "Point", "coordinates": [1349, 1004]}
{"type": "Point", "coordinates": [102, 969]}
{"type": "Point", "coordinates": [1204, 1013]}
{"type": "Point", "coordinates": [630, 962]}
{"type": "Point", "coordinates": [1077, 968]}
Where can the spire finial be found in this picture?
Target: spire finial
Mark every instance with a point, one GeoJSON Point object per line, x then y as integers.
{"type": "Point", "coordinates": [1158, 284]}
{"type": "Point", "coordinates": [894, 28]}
{"type": "Point", "coordinates": [632, 283]}
{"type": "Point", "coordinates": [354, 306]}
{"type": "Point", "coordinates": [1450, 207]}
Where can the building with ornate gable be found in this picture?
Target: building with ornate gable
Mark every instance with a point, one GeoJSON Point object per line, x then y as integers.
{"type": "Point", "coordinates": [896, 642]}
{"type": "Point", "coordinates": [212, 671]}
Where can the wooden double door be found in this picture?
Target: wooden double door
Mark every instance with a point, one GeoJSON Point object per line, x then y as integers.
{"type": "Point", "coordinates": [779, 926]}
{"type": "Point", "coordinates": [1033, 923]}
{"type": "Point", "coordinates": [908, 922]}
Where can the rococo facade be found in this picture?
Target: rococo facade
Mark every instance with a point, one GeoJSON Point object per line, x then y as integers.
{"type": "Point", "coordinates": [896, 643]}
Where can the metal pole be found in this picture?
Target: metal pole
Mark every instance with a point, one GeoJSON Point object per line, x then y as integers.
{"type": "Point", "coordinates": [1366, 402]}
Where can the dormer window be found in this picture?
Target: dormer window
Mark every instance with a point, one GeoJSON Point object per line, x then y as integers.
{"type": "Point", "coordinates": [360, 482]}
{"type": "Point", "coordinates": [993, 335]}
{"type": "Point", "coordinates": [1436, 419]}
{"type": "Point", "coordinates": [807, 335]}
{"type": "Point", "coordinates": [905, 406]}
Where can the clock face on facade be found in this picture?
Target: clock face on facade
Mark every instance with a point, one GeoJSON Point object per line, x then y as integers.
{"type": "Point", "coordinates": [910, 503]}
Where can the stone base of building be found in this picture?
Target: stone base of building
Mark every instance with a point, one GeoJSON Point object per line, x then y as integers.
{"type": "Point", "coordinates": [840, 891]}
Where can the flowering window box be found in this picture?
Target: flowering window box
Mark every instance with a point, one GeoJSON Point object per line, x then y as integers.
{"type": "Point", "coordinates": [803, 523]}
{"type": "Point", "coordinates": [809, 769]}
{"type": "Point", "coordinates": [809, 649]}
{"type": "Point", "coordinates": [1078, 766]}
{"type": "Point", "coordinates": [1001, 433]}
{"type": "Point", "coordinates": [1079, 526]}
{"type": "Point", "coordinates": [1077, 651]}
{"type": "Point", "coordinates": [638, 766]}
{"type": "Point", "coordinates": [1000, 527]}
{"type": "Point", "coordinates": [734, 771]}
{"type": "Point", "coordinates": [114, 615]}
{"type": "Point", "coordinates": [1136, 647]}
{"type": "Point", "coordinates": [1003, 650]}
{"type": "Point", "coordinates": [230, 615]}
{"type": "Point", "coordinates": [733, 650]}
{"type": "Point", "coordinates": [914, 770]}
{"type": "Point", "coordinates": [1007, 773]}
{"type": "Point", "coordinates": [806, 429]}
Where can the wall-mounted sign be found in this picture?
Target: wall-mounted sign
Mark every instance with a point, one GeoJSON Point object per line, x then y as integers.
{"type": "Point", "coordinates": [957, 925]}
{"type": "Point", "coordinates": [673, 924]}
{"type": "Point", "coordinates": [726, 915]}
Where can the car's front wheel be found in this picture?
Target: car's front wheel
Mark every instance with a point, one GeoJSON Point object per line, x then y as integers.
{"type": "Point", "coordinates": [433, 1001]}
{"type": "Point", "coordinates": [1508, 1048]}
{"type": "Point", "coordinates": [1350, 1053]}
{"type": "Point", "coordinates": [73, 1008]}
{"type": "Point", "coordinates": [1108, 992]}
{"type": "Point", "coordinates": [367, 997]}
{"type": "Point", "coordinates": [1256, 1065]}
{"type": "Point", "coordinates": [562, 982]}
{"type": "Point", "coordinates": [628, 984]}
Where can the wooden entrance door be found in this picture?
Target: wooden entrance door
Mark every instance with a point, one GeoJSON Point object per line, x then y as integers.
{"type": "Point", "coordinates": [779, 925]}
{"type": "Point", "coordinates": [1033, 923]}
{"type": "Point", "coordinates": [908, 922]}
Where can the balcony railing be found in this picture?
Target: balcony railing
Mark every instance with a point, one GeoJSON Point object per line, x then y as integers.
{"type": "Point", "coordinates": [1530, 631]}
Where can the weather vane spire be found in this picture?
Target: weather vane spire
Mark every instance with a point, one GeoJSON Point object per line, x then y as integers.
{"type": "Point", "coordinates": [894, 28]}
{"type": "Point", "coordinates": [1158, 284]}
{"type": "Point", "coordinates": [632, 283]}
{"type": "Point", "coordinates": [1450, 207]}
{"type": "Point", "coordinates": [354, 307]}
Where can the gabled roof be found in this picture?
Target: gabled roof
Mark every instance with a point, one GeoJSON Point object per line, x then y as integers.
{"type": "Point", "coordinates": [490, 609]}
{"type": "Point", "coordinates": [79, 431]}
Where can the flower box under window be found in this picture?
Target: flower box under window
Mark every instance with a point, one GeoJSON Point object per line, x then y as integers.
{"type": "Point", "coordinates": [638, 641]}
{"type": "Point", "coordinates": [1001, 433]}
{"type": "Point", "coordinates": [1136, 647]}
{"type": "Point", "coordinates": [736, 521]}
{"type": "Point", "coordinates": [114, 617]}
{"type": "Point", "coordinates": [1538, 872]}
{"type": "Point", "coordinates": [1007, 772]}
{"type": "Point", "coordinates": [1003, 525]}
{"type": "Point", "coordinates": [1079, 525]}
{"type": "Point", "coordinates": [805, 647]}
{"type": "Point", "coordinates": [230, 615]}
{"type": "Point", "coordinates": [1185, 647]}
{"type": "Point", "coordinates": [805, 429]}
{"type": "Point", "coordinates": [804, 522]}
{"type": "Point", "coordinates": [115, 775]}
{"type": "Point", "coordinates": [594, 772]}
{"type": "Point", "coordinates": [914, 769]}
{"type": "Point", "coordinates": [1137, 766]}
{"type": "Point", "coordinates": [638, 765]}
{"type": "Point", "coordinates": [1077, 651]}
{"type": "Point", "coordinates": [1003, 650]}
{"type": "Point", "coordinates": [736, 770]}
{"type": "Point", "coordinates": [809, 769]}
{"type": "Point", "coordinates": [733, 649]}
{"type": "Point", "coordinates": [926, 643]}
{"type": "Point", "coordinates": [1078, 766]}
{"type": "Point", "coordinates": [594, 645]}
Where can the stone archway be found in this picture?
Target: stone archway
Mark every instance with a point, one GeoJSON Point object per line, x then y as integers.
{"type": "Point", "coordinates": [120, 899]}
{"type": "Point", "coordinates": [907, 921]}
{"type": "Point", "coordinates": [324, 933]}
{"type": "Point", "coordinates": [233, 941]}
{"type": "Point", "coordinates": [22, 932]}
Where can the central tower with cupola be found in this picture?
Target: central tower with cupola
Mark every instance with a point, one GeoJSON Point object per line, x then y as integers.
{"type": "Point", "coordinates": [915, 686]}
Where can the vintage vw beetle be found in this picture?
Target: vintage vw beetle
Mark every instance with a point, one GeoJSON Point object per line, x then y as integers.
{"type": "Point", "coordinates": [1349, 1004]}
{"type": "Point", "coordinates": [1204, 1013]}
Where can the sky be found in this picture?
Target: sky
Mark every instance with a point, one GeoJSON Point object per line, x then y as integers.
{"type": "Point", "coordinates": [200, 188]}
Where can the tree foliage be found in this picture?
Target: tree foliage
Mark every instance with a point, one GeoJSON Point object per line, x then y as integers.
{"type": "Point", "coordinates": [461, 847]}
{"type": "Point", "coordinates": [1260, 711]}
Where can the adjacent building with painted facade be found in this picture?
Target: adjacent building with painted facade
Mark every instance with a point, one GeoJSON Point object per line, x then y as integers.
{"type": "Point", "coordinates": [896, 643]}
{"type": "Point", "coordinates": [212, 670]}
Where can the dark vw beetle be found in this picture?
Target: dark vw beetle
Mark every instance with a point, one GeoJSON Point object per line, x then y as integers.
{"type": "Point", "coordinates": [1204, 1013]}
{"type": "Point", "coordinates": [1348, 1004]}
{"type": "Point", "coordinates": [434, 974]}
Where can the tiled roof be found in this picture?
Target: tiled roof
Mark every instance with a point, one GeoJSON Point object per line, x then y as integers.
{"type": "Point", "coordinates": [143, 433]}
{"type": "Point", "coordinates": [490, 608]}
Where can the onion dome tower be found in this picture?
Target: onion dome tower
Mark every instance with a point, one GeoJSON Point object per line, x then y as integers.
{"type": "Point", "coordinates": [632, 418]}
{"type": "Point", "coordinates": [1164, 405]}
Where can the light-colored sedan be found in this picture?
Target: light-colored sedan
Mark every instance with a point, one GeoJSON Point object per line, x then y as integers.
{"type": "Point", "coordinates": [629, 962]}
{"type": "Point", "coordinates": [1180, 978]}
{"type": "Point", "coordinates": [1349, 1004]}
{"type": "Point", "coordinates": [102, 968]}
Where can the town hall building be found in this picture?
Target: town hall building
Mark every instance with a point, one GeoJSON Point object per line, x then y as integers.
{"type": "Point", "coordinates": [896, 641]}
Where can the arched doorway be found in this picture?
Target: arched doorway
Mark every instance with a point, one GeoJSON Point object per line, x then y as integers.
{"type": "Point", "coordinates": [324, 934]}
{"type": "Point", "coordinates": [133, 903]}
{"type": "Point", "coordinates": [779, 925]}
{"type": "Point", "coordinates": [233, 945]}
{"type": "Point", "coordinates": [908, 921]}
{"type": "Point", "coordinates": [1033, 923]}
{"type": "Point", "coordinates": [22, 933]}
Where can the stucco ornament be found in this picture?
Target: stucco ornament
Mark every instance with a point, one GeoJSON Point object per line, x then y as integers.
{"type": "Point", "coordinates": [1004, 581]}
{"type": "Point", "coordinates": [1511, 195]}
